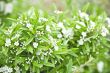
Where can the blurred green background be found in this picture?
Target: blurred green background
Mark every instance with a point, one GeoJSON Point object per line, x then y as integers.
{"type": "Point", "coordinates": [13, 8]}
{"type": "Point", "coordinates": [21, 5]}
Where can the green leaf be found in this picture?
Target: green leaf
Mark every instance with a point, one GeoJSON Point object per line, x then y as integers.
{"type": "Point", "coordinates": [49, 64]}
{"type": "Point", "coordinates": [30, 49]}
{"type": "Point", "coordinates": [19, 50]}
{"type": "Point", "coordinates": [26, 66]}
{"type": "Point", "coordinates": [5, 51]}
{"type": "Point", "coordinates": [62, 51]}
{"type": "Point", "coordinates": [37, 65]}
{"type": "Point", "coordinates": [1, 41]}
{"type": "Point", "coordinates": [69, 66]}
{"type": "Point", "coordinates": [28, 41]}
{"type": "Point", "coordinates": [85, 7]}
{"type": "Point", "coordinates": [73, 52]}
{"type": "Point", "coordinates": [19, 60]}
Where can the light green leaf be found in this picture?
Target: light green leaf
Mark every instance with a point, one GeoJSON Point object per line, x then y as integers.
{"type": "Point", "coordinates": [28, 41]}
{"type": "Point", "coordinates": [26, 66]}
{"type": "Point", "coordinates": [49, 64]}
{"type": "Point", "coordinates": [5, 51]}
{"type": "Point", "coordinates": [62, 51]}
{"type": "Point", "coordinates": [19, 50]}
{"type": "Point", "coordinates": [69, 66]}
{"type": "Point", "coordinates": [30, 49]}
{"type": "Point", "coordinates": [37, 65]}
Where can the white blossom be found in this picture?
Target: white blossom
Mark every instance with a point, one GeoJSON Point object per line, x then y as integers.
{"type": "Point", "coordinates": [60, 24]}
{"type": "Point", "coordinates": [92, 25]}
{"type": "Point", "coordinates": [84, 15]}
{"type": "Point", "coordinates": [58, 12]}
{"type": "Point", "coordinates": [45, 53]}
{"type": "Point", "coordinates": [42, 19]}
{"type": "Point", "coordinates": [53, 42]}
{"type": "Point", "coordinates": [104, 31]}
{"type": "Point", "coordinates": [84, 34]}
{"type": "Point", "coordinates": [9, 31]}
{"type": "Point", "coordinates": [68, 33]}
{"type": "Point", "coordinates": [42, 57]}
{"type": "Point", "coordinates": [56, 47]}
{"type": "Point", "coordinates": [6, 69]}
{"type": "Point", "coordinates": [78, 27]}
{"type": "Point", "coordinates": [100, 66]}
{"type": "Point", "coordinates": [80, 42]}
{"type": "Point", "coordinates": [51, 38]}
{"type": "Point", "coordinates": [108, 21]}
{"type": "Point", "coordinates": [48, 28]}
{"type": "Point", "coordinates": [8, 8]}
{"type": "Point", "coordinates": [16, 43]}
{"type": "Point", "coordinates": [28, 25]}
{"type": "Point", "coordinates": [35, 45]}
{"type": "Point", "coordinates": [7, 42]}
{"type": "Point", "coordinates": [59, 36]}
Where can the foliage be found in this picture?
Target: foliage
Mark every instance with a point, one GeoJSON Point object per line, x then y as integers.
{"type": "Point", "coordinates": [41, 42]}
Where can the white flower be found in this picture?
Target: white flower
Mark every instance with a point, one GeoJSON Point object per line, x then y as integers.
{"type": "Point", "coordinates": [100, 66]}
{"type": "Point", "coordinates": [7, 42]}
{"type": "Point", "coordinates": [9, 31]}
{"type": "Point", "coordinates": [59, 36]}
{"type": "Point", "coordinates": [8, 8]}
{"type": "Point", "coordinates": [16, 43]}
{"type": "Point", "coordinates": [80, 42]}
{"type": "Point", "coordinates": [28, 25]}
{"type": "Point", "coordinates": [84, 34]}
{"type": "Point", "coordinates": [45, 53]}
{"type": "Point", "coordinates": [53, 42]}
{"type": "Point", "coordinates": [35, 45]}
{"type": "Point", "coordinates": [108, 21]}
{"type": "Point", "coordinates": [42, 19]}
{"type": "Point", "coordinates": [56, 47]}
{"type": "Point", "coordinates": [42, 57]}
{"type": "Point", "coordinates": [78, 27]}
{"type": "Point", "coordinates": [58, 12]}
{"type": "Point", "coordinates": [60, 24]}
{"type": "Point", "coordinates": [84, 15]}
{"type": "Point", "coordinates": [6, 69]}
{"type": "Point", "coordinates": [92, 25]}
{"type": "Point", "coordinates": [68, 33]}
{"type": "Point", "coordinates": [48, 28]}
{"type": "Point", "coordinates": [50, 38]}
{"type": "Point", "coordinates": [104, 31]}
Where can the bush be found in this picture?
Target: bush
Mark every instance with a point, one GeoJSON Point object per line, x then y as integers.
{"type": "Point", "coordinates": [40, 42]}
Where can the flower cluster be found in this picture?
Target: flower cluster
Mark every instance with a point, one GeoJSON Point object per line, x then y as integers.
{"type": "Point", "coordinates": [6, 69]}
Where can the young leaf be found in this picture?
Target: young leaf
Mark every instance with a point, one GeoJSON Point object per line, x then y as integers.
{"type": "Point", "coordinates": [69, 66]}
